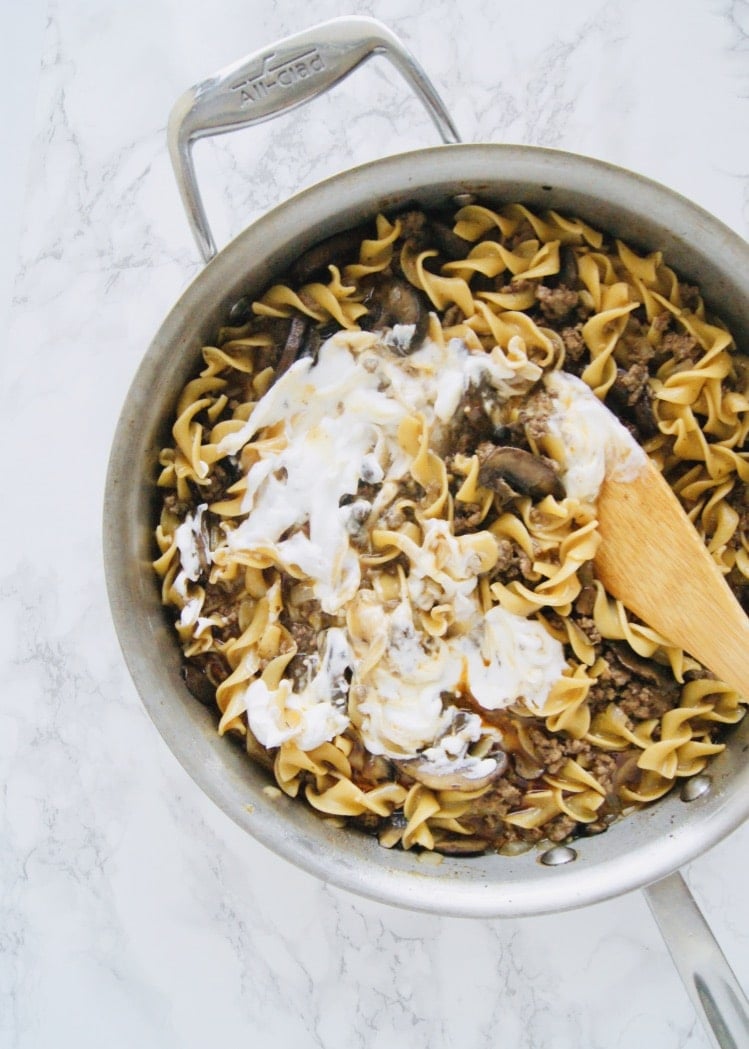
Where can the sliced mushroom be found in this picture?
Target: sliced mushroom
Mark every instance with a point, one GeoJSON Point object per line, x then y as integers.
{"type": "Point", "coordinates": [527, 767]}
{"type": "Point", "coordinates": [586, 600]}
{"type": "Point", "coordinates": [568, 272]}
{"type": "Point", "coordinates": [527, 474]}
{"type": "Point", "coordinates": [647, 669]}
{"type": "Point", "coordinates": [303, 340]}
{"type": "Point", "coordinates": [424, 231]}
{"type": "Point", "coordinates": [334, 251]}
{"type": "Point", "coordinates": [292, 347]}
{"type": "Point", "coordinates": [202, 674]}
{"type": "Point", "coordinates": [377, 769]}
{"type": "Point", "coordinates": [391, 302]}
{"type": "Point", "coordinates": [461, 775]}
{"type": "Point", "coordinates": [633, 404]}
{"type": "Point", "coordinates": [462, 847]}
{"type": "Point", "coordinates": [199, 684]}
{"type": "Point", "coordinates": [414, 224]}
{"type": "Point", "coordinates": [590, 830]}
{"type": "Point", "coordinates": [449, 243]}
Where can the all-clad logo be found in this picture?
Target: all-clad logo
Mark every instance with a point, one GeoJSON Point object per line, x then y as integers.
{"type": "Point", "coordinates": [282, 75]}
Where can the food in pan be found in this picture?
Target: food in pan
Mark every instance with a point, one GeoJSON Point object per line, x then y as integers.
{"type": "Point", "coordinates": [379, 523]}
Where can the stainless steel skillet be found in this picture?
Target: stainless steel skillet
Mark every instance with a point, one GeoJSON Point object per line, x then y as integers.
{"type": "Point", "coordinates": [644, 850]}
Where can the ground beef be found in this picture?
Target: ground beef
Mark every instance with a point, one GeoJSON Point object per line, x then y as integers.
{"type": "Point", "coordinates": [512, 563]}
{"type": "Point", "coordinates": [559, 828]}
{"type": "Point", "coordinates": [661, 322]}
{"type": "Point", "coordinates": [487, 815]}
{"type": "Point", "coordinates": [601, 693]}
{"type": "Point", "coordinates": [221, 600]}
{"type": "Point", "coordinates": [603, 768]}
{"type": "Point", "coordinates": [556, 303]}
{"type": "Point", "coordinates": [502, 798]}
{"type": "Point", "coordinates": [631, 398]}
{"type": "Point", "coordinates": [471, 423]}
{"type": "Point", "coordinates": [681, 347]}
{"type": "Point", "coordinates": [414, 227]}
{"type": "Point", "coordinates": [690, 297]}
{"type": "Point", "coordinates": [175, 505]}
{"type": "Point", "coordinates": [640, 693]}
{"type": "Point", "coordinates": [589, 628]}
{"type": "Point", "coordinates": [574, 343]}
{"type": "Point", "coordinates": [517, 285]}
{"type": "Point", "coordinates": [305, 637]}
{"type": "Point", "coordinates": [633, 347]}
{"type": "Point", "coordinates": [643, 701]}
{"type": "Point", "coordinates": [616, 673]}
{"type": "Point", "coordinates": [548, 750]}
{"type": "Point", "coordinates": [553, 752]}
{"type": "Point", "coordinates": [222, 477]}
{"type": "Point", "coordinates": [467, 517]}
{"type": "Point", "coordinates": [631, 384]}
{"type": "Point", "coordinates": [534, 417]}
{"type": "Point", "coordinates": [580, 750]}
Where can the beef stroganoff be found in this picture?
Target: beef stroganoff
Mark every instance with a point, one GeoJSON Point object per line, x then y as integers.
{"type": "Point", "coordinates": [379, 523]}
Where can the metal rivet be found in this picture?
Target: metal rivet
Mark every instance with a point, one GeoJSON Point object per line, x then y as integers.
{"type": "Point", "coordinates": [558, 855]}
{"type": "Point", "coordinates": [463, 199]}
{"type": "Point", "coordinates": [240, 311]}
{"type": "Point", "coordinates": [695, 787]}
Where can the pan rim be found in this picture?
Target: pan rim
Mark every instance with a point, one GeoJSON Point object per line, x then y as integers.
{"type": "Point", "coordinates": [444, 888]}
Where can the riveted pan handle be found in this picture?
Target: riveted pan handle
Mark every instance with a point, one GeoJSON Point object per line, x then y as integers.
{"type": "Point", "coordinates": [279, 78]}
{"type": "Point", "coordinates": [708, 978]}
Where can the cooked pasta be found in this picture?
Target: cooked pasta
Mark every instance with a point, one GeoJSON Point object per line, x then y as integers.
{"type": "Point", "coordinates": [378, 527]}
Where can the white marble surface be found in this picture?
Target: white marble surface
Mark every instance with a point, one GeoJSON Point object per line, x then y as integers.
{"type": "Point", "coordinates": [133, 912]}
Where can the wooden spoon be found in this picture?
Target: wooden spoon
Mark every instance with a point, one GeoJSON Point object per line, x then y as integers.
{"type": "Point", "coordinates": [652, 559]}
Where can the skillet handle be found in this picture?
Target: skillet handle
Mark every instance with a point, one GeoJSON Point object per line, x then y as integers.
{"type": "Point", "coordinates": [707, 976]}
{"type": "Point", "coordinates": [279, 78]}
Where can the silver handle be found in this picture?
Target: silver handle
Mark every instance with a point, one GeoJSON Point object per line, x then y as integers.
{"type": "Point", "coordinates": [279, 78]}
{"type": "Point", "coordinates": [707, 976]}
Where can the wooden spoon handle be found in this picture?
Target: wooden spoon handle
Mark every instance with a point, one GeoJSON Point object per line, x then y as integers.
{"type": "Point", "coordinates": [653, 560]}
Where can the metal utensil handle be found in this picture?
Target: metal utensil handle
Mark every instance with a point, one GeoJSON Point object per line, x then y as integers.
{"type": "Point", "coordinates": [279, 78]}
{"type": "Point", "coordinates": [707, 976]}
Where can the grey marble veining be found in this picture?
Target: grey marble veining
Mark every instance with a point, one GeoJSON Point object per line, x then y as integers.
{"type": "Point", "coordinates": [132, 912]}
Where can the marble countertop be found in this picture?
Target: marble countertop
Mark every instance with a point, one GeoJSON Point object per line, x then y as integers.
{"type": "Point", "coordinates": [133, 912]}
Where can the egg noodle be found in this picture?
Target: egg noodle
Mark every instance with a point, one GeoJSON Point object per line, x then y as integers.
{"type": "Point", "coordinates": [377, 536]}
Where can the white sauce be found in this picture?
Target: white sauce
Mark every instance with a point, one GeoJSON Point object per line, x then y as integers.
{"type": "Point", "coordinates": [518, 657]}
{"type": "Point", "coordinates": [449, 755]}
{"type": "Point", "coordinates": [340, 424]}
{"type": "Point", "coordinates": [595, 442]}
{"type": "Point", "coordinates": [505, 658]}
{"type": "Point", "coordinates": [312, 716]}
{"type": "Point", "coordinates": [336, 422]}
{"type": "Point", "coordinates": [186, 536]}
